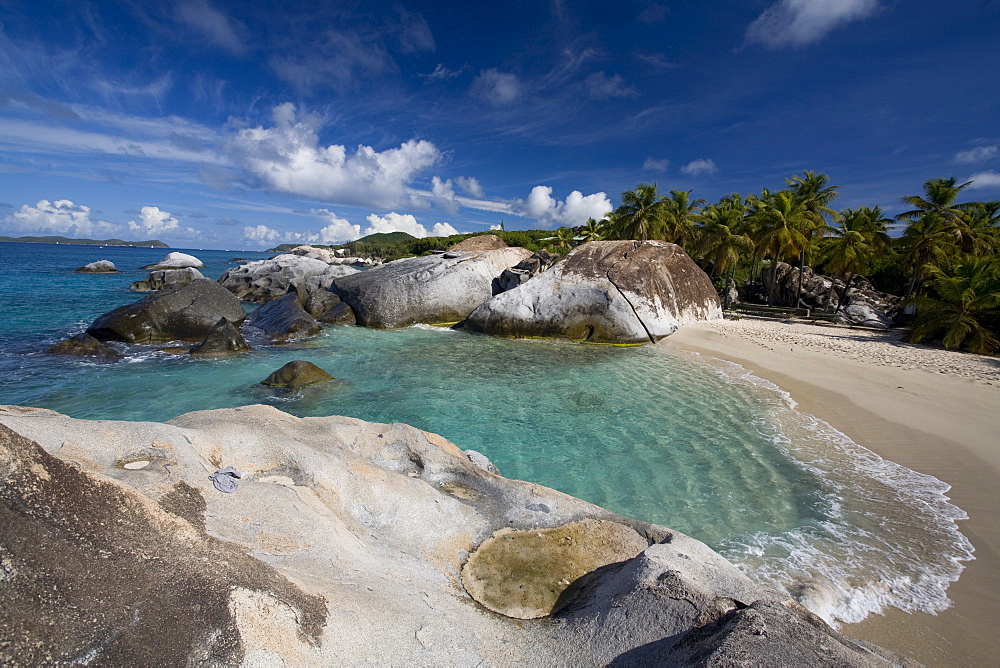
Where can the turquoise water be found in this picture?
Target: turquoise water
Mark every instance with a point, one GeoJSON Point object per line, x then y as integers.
{"type": "Point", "coordinates": [698, 446]}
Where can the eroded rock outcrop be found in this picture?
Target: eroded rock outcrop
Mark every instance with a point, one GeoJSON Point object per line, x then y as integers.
{"type": "Point", "coordinates": [184, 312]}
{"type": "Point", "coordinates": [607, 292]}
{"type": "Point", "coordinates": [116, 548]}
{"type": "Point", "coordinates": [165, 278]}
{"type": "Point", "coordinates": [862, 303]}
{"type": "Point", "coordinates": [176, 261]}
{"type": "Point", "coordinates": [430, 289]}
{"type": "Point", "coordinates": [263, 280]}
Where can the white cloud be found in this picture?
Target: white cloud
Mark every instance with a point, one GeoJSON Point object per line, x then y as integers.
{"type": "Point", "coordinates": [800, 22]}
{"type": "Point", "coordinates": [444, 194]}
{"type": "Point", "coordinates": [496, 87]}
{"type": "Point", "coordinates": [987, 179]}
{"type": "Point", "coordinates": [442, 73]}
{"type": "Point", "coordinates": [61, 217]}
{"type": "Point", "coordinates": [443, 230]}
{"type": "Point", "coordinates": [470, 185]}
{"type": "Point", "coordinates": [395, 222]}
{"type": "Point", "coordinates": [602, 87]}
{"type": "Point", "coordinates": [154, 221]}
{"type": "Point", "coordinates": [288, 158]}
{"type": "Point", "coordinates": [549, 212]}
{"type": "Point", "coordinates": [212, 24]}
{"type": "Point", "coordinates": [655, 165]}
{"type": "Point", "coordinates": [496, 227]}
{"type": "Point", "coordinates": [337, 230]}
{"type": "Point", "coordinates": [261, 233]}
{"type": "Point", "coordinates": [699, 167]}
{"type": "Point", "coordinates": [977, 154]}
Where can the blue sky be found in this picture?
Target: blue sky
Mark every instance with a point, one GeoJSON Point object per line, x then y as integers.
{"type": "Point", "coordinates": [212, 124]}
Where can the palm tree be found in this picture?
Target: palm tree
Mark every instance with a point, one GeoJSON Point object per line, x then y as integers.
{"type": "Point", "coordinates": [859, 236]}
{"type": "Point", "coordinates": [591, 231]}
{"type": "Point", "coordinates": [933, 226]}
{"type": "Point", "coordinates": [815, 193]}
{"type": "Point", "coordinates": [641, 214]}
{"type": "Point", "coordinates": [978, 228]}
{"type": "Point", "coordinates": [967, 297]}
{"type": "Point", "coordinates": [721, 239]}
{"type": "Point", "coordinates": [782, 219]}
{"type": "Point", "coordinates": [680, 215]}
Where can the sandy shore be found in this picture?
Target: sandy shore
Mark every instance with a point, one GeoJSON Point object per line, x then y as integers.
{"type": "Point", "coordinates": [934, 411]}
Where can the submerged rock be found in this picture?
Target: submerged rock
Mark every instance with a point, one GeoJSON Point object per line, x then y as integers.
{"type": "Point", "coordinates": [223, 339]}
{"type": "Point", "coordinates": [296, 374]}
{"type": "Point", "coordinates": [176, 261]}
{"type": "Point", "coordinates": [183, 312]}
{"type": "Point", "coordinates": [99, 267]}
{"type": "Point", "coordinates": [345, 539]}
{"type": "Point", "coordinates": [164, 278]}
{"type": "Point", "coordinates": [85, 345]}
{"type": "Point", "coordinates": [430, 289]}
{"type": "Point", "coordinates": [605, 292]}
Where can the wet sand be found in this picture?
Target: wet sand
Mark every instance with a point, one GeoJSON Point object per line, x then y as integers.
{"type": "Point", "coordinates": [932, 410]}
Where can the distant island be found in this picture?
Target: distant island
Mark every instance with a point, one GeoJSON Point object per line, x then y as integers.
{"type": "Point", "coordinates": [153, 243]}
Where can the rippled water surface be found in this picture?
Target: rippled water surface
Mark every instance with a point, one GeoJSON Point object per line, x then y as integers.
{"type": "Point", "coordinates": [699, 446]}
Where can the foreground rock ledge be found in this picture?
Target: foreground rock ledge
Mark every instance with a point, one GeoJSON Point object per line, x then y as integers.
{"type": "Point", "coordinates": [344, 543]}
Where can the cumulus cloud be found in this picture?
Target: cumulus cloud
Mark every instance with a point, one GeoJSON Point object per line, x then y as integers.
{"type": "Point", "coordinates": [261, 233]}
{"type": "Point", "coordinates": [211, 24]}
{"type": "Point", "coordinates": [496, 87]}
{"type": "Point", "coordinates": [987, 179]}
{"type": "Point", "coordinates": [602, 87]}
{"type": "Point", "coordinates": [404, 222]}
{"type": "Point", "coordinates": [699, 167]}
{"type": "Point", "coordinates": [444, 194]}
{"type": "Point", "coordinates": [655, 165]}
{"type": "Point", "coordinates": [154, 221]}
{"type": "Point", "coordinates": [977, 154]}
{"type": "Point", "coordinates": [470, 185]}
{"type": "Point", "coordinates": [288, 158]}
{"type": "Point", "coordinates": [337, 230]}
{"type": "Point", "coordinates": [550, 212]}
{"type": "Point", "coordinates": [801, 22]}
{"type": "Point", "coordinates": [443, 230]}
{"type": "Point", "coordinates": [496, 227]}
{"type": "Point", "coordinates": [61, 217]}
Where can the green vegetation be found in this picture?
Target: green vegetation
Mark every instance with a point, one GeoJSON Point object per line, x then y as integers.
{"type": "Point", "coordinates": [84, 242]}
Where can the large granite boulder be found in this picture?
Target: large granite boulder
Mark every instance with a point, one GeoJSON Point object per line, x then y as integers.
{"type": "Point", "coordinates": [98, 267]}
{"type": "Point", "coordinates": [223, 340]}
{"type": "Point", "coordinates": [163, 278]}
{"type": "Point", "coordinates": [605, 292]}
{"type": "Point", "coordinates": [346, 541]}
{"type": "Point", "coordinates": [429, 289]}
{"type": "Point", "coordinates": [176, 261]}
{"type": "Point", "coordinates": [183, 312]}
{"type": "Point", "coordinates": [284, 319]}
{"type": "Point", "coordinates": [480, 242]}
{"type": "Point", "coordinates": [862, 303]}
{"type": "Point", "coordinates": [263, 280]}
{"type": "Point", "coordinates": [84, 345]}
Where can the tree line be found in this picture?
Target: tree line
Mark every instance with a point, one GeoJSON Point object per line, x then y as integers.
{"type": "Point", "coordinates": [946, 262]}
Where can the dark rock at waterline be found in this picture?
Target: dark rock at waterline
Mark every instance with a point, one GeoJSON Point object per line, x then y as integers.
{"type": "Point", "coordinates": [184, 312]}
{"type": "Point", "coordinates": [296, 374]}
{"type": "Point", "coordinates": [339, 314]}
{"type": "Point", "coordinates": [320, 301]}
{"type": "Point", "coordinates": [605, 292]}
{"type": "Point", "coordinates": [284, 319]}
{"type": "Point", "coordinates": [95, 571]}
{"type": "Point", "coordinates": [429, 289]}
{"type": "Point", "coordinates": [223, 339]}
{"type": "Point", "coordinates": [85, 345]}
{"type": "Point", "coordinates": [99, 267]}
{"type": "Point", "coordinates": [165, 278]}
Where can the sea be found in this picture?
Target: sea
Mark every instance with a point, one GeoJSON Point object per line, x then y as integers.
{"type": "Point", "coordinates": [692, 443]}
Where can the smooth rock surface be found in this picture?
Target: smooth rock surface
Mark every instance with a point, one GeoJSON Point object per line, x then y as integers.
{"type": "Point", "coordinates": [284, 319]}
{"type": "Point", "coordinates": [430, 289]}
{"type": "Point", "coordinates": [98, 267]}
{"type": "Point", "coordinates": [183, 312]}
{"type": "Point", "coordinates": [605, 292]}
{"type": "Point", "coordinates": [85, 345]}
{"type": "Point", "coordinates": [343, 544]}
{"type": "Point", "coordinates": [261, 281]}
{"type": "Point", "coordinates": [163, 278]}
{"type": "Point", "coordinates": [176, 260]}
{"type": "Point", "coordinates": [296, 374]}
{"type": "Point", "coordinates": [222, 340]}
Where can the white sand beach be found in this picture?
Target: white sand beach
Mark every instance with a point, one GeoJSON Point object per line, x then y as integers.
{"type": "Point", "coordinates": [932, 410]}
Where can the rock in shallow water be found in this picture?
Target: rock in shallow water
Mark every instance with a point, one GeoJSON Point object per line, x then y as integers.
{"type": "Point", "coordinates": [176, 261]}
{"type": "Point", "coordinates": [99, 267]}
{"type": "Point", "coordinates": [84, 345]}
{"type": "Point", "coordinates": [296, 374]}
{"type": "Point", "coordinates": [345, 539]}
{"type": "Point", "coordinates": [222, 340]}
